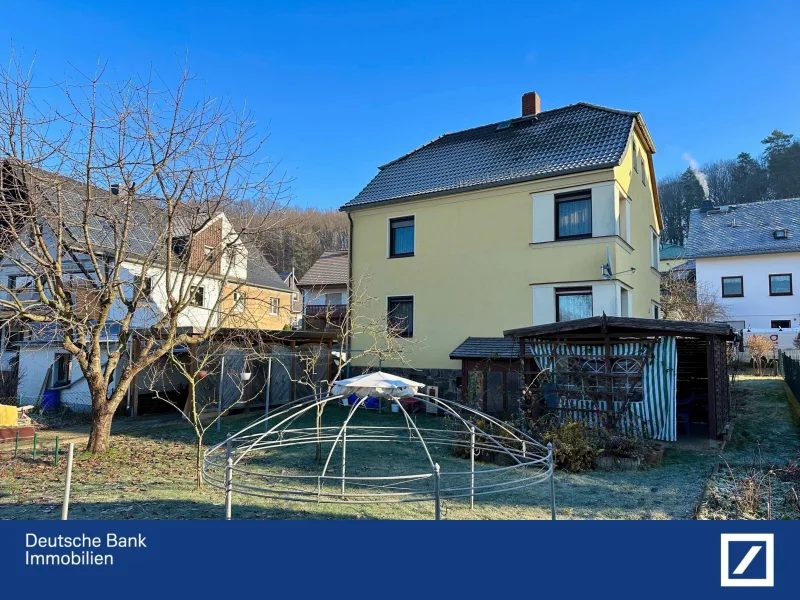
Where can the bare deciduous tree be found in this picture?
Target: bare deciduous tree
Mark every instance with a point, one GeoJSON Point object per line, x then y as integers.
{"type": "Point", "coordinates": [684, 299]}
{"type": "Point", "coordinates": [379, 337]}
{"type": "Point", "coordinates": [117, 199]}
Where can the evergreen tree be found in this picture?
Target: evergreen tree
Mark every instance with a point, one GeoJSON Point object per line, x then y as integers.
{"type": "Point", "coordinates": [782, 157]}
{"type": "Point", "coordinates": [749, 180]}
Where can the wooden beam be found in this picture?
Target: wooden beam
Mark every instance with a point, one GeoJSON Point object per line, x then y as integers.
{"type": "Point", "coordinates": [712, 403]}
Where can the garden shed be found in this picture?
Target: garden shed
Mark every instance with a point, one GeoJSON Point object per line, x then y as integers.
{"type": "Point", "coordinates": [646, 377]}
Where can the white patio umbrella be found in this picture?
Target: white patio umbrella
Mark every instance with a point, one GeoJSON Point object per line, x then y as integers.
{"type": "Point", "coordinates": [377, 385]}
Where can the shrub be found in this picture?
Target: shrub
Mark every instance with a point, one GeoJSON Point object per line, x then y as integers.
{"type": "Point", "coordinates": [573, 447]}
{"type": "Point", "coordinates": [758, 347]}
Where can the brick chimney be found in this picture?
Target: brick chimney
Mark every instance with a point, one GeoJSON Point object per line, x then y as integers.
{"type": "Point", "coordinates": [531, 104]}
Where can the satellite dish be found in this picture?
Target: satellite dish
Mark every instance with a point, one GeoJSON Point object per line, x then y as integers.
{"type": "Point", "coordinates": [607, 270]}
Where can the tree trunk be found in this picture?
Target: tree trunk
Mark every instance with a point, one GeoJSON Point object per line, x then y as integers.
{"type": "Point", "coordinates": [199, 462]}
{"type": "Point", "coordinates": [100, 436]}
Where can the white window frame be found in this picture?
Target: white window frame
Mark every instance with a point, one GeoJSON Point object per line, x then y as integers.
{"type": "Point", "coordinates": [239, 299]}
{"type": "Point", "coordinates": [635, 158]}
{"type": "Point", "coordinates": [656, 307]}
{"type": "Point", "coordinates": [193, 296]}
{"type": "Point", "coordinates": [654, 249]}
{"type": "Point", "coordinates": [274, 306]}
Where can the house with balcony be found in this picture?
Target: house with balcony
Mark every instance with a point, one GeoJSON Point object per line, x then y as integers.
{"type": "Point", "coordinates": [545, 217]}
{"type": "Point", "coordinates": [325, 290]}
{"type": "Point", "coordinates": [747, 255]}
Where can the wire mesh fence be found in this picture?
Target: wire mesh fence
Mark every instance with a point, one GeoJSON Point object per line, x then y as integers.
{"type": "Point", "coordinates": [789, 368]}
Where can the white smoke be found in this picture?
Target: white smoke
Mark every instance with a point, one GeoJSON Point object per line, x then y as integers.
{"type": "Point", "coordinates": [699, 175]}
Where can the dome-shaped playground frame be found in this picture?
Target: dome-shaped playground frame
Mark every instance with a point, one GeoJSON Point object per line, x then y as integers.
{"type": "Point", "coordinates": [245, 463]}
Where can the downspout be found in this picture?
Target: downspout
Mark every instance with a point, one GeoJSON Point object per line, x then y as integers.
{"type": "Point", "coordinates": [349, 295]}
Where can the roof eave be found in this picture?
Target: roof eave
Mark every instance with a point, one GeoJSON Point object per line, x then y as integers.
{"type": "Point", "coordinates": [480, 186]}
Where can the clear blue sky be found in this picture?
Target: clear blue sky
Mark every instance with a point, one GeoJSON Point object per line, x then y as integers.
{"type": "Point", "coordinates": [345, 87]}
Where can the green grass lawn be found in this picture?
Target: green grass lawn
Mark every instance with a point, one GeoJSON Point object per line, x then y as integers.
{"type": "Point", "coordinates": [149, 474]}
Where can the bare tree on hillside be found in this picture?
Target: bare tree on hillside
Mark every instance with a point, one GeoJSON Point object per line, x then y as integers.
{"type": "Point", "coordinates": [112, 193]}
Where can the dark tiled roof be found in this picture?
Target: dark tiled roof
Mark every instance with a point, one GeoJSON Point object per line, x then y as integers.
{"type": "Point", "coordinates": [632, 325]}
{"type": "Point", "coordinates": [260, 272]}
{"type": "Point", "coordinates": [483, 347]}
{"type": "Point", "coordinates": [672, 252]}
{"type": "Point", "coordinates": [148, 220]}
{"type": "Point", "coordinates": [332, 268]}
{"type": "Point", "coordinates": [745, 229]}
{"type": "Point", "coordinates": [579, 137]}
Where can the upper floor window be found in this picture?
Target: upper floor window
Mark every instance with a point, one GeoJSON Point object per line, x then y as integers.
{"type": "Point", "coordinates": [573, 303]}
{"type": "Point", "coordinates": [654, 250]}
{"type": "Point", "coordinates": [400, 315]}
{"type": "Point", "coordinates": [401, 237]}
{"type": "Point", "coordinates": [656, 311]}
{"type": "Point", "coordinates": [644, 175]}
{"type": "Point", "coordinates": [209, 253]}
{"type": "Point", "coordinates": [274, 306]}
{"type": "Point", "coordinates": [780, 285]}
{"type": "Point", "coordinates": [635, 158]}
{"type": "Point", "coordinates": [197, 295]}
{"type": "Point", "coordinates": [780, 324]}
{"type": "Point", "coordinates": [574, 215]}
{"type": "Point", "coordinates": [732, 287]}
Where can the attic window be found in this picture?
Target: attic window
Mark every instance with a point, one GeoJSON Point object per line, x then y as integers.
{"type": "Point", "coordinates": [780, 234]}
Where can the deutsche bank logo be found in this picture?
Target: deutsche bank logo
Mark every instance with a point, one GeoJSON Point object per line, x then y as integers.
{"type": "Point", "coordinates": [748, 560]}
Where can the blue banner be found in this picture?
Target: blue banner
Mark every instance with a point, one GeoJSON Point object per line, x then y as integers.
{"type": "Point", "coordinates": [354, 559]}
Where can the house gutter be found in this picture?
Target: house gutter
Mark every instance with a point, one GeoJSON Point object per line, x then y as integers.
{"type": "Point", "coordinates": [349, 341]}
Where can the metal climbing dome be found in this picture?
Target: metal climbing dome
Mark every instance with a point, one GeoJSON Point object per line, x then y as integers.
{"type": "Point", "coordinates": [330, 450]}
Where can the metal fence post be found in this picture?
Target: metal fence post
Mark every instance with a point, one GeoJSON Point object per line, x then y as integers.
{"type": "Point", "coordinates": [437, 498]}
{"type": "Point", "coordinates": [344, 456]}
{"type": "Point", "coordinates": [55, 457]}
{"type": "Point", "coordinates": [219, 393]}
{"type": "Point", "coordinates": [266, 400]}
{"type": "Point", "coordinates": [16, 444]}
{"type": "Point", "coordinates": [552, 482]}
{"type": "Point", "coordinates": [472, 467]}
{"type": "Point", "coordinates": [34, 445]}
{"type": "Point", "coordinates": [228, 488]}
{"type": "Point", "coordinates": [68, 484]}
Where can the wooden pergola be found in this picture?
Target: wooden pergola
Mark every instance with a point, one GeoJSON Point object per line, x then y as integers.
{"type": "Point", "coordinates": [702, 363]}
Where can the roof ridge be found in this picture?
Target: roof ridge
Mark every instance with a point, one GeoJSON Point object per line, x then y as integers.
{"type": "Point", "coordinates": [770, 201]}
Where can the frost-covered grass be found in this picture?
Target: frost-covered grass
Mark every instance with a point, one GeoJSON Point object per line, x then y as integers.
{"type": "Point", "coordinates": [150, 475]}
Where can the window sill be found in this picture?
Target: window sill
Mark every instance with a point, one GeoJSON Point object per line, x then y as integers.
{"type": "Point", "coordinates": [401, 255]}
{"type": "Point", "coordinates": [583, 240]}
{"type": "Point", "coordinates": [784, 294]}
{"type": "Point", "coordinates": [733, 296]}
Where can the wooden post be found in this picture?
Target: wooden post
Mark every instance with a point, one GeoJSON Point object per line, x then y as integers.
{"type": "Point", "coordinates": [609, 378]}
{"type": "Point", "coordinates": [712, 404]}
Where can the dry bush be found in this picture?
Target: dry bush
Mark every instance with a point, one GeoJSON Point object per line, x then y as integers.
{"type": "Point", "coordinates": [758, 347]}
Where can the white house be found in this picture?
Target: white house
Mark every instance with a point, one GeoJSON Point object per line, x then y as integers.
{"type": "Point", "coordinates": [748, 255]}
{"type": "Point", "coordinates": [225, 276]}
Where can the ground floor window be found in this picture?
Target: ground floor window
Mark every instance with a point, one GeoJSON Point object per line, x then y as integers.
{"type": "Point", "coordinates": [780, 324]}
{"type": "Point", "coordinates": [400, 315]}
{"type": "Point", "coordinates": [62, 370]}
{"type": "Point", "coordinates": [573, 303]}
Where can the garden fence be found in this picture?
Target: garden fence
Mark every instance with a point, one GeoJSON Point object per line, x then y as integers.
{"type": "Point", "coordinates": [789, 368]}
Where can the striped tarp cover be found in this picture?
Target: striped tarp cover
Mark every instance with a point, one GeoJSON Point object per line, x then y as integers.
{"type": "Point", "coordinates": [654, 416]}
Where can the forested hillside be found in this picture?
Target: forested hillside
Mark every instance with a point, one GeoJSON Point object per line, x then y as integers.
{"type": "Point", "coordinates": [299, 236]}
{"type": "Point", "coordinates": [773, 174]}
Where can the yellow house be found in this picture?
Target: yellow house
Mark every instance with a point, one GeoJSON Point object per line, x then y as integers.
{"type": "Point", "coordinates": [507, 225]}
